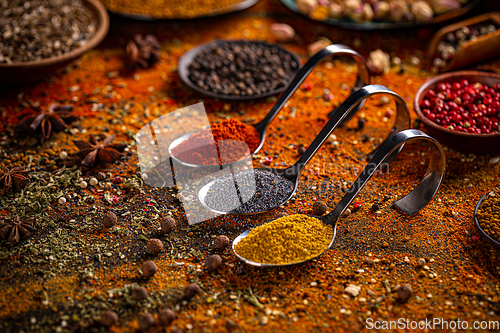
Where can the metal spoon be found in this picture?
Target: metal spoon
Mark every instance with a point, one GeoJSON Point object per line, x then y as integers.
{"type": "Point", "coordinates": [292, 173]}
{"type": "Point", "coordinates": [410, 204]}
{"type": "Point", "coordinates": [261, 127]}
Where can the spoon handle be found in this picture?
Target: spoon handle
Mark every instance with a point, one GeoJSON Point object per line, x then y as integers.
{"type": "Point", "coordinates": [402, 122]}
{"type": "Point", "coordinates": [420, 196]}
{"type": "Point", "coordinates": [329, 51]}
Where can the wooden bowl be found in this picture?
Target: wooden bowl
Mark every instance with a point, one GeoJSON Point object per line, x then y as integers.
{"type": "Point", "coordinates": [464, 142]}
{"type": "Point", "coordinates": [30, 71]}
{"type": "Point", "coordinates": [474, 51]}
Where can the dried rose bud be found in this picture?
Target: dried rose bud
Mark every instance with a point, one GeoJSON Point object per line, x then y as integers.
{"type": "Point", "coordinates": [399, 11]}
{"type": "Point", "coordinates": [444, 6]}
{"type": "Point", "coordinates": [318, 45]}
{"type": "Point", "coordinates": [166, 317]}
{"type": "Point", "coordinates": [108, 318]}
{"type": "Point", "coordinates": [221, 242]}
{"type": "Point", "coordinates": [306, 7]}
{"type": "Point", "coordinates": [149, 269]}
{"type": "Point", "coordinates": [319, 208]}
{"type": "Point", "coordinates": [167, 225]}
{"type": "Point", "coordinates": [422, 11]}
{"type": "Point", "coordinates": [378, 62]}
{"type": "Point", "coordinates": [282, 32]}
{"type": "Point", "coordinates": [381, 10]}
{"type": "Point", "coordinates": [213, 262]}
{"type": "Point", "coordinates": [146, 322]}
{"type": "Point", "coordinates": [109, 219]}
{"type": "Point", "coordinates": [139, 293]}
{"type": "Point", "coordinates": [367, 12]}
{"type": "Point", "coordinates": [191, 290]}
{"type": "Point", "coordinates": [336, 11]}
{"type": "Point", "coordinates": [154, 246]}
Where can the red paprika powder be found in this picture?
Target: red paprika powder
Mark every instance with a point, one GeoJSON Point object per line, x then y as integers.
{"type": "Point", "coordinates": [225, 142]}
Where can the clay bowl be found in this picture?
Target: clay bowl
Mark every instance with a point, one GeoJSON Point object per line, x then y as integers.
{"type": "Point", "coordinates": [463, 142]}
{"type": "Point", "coordinates": [30, 71]}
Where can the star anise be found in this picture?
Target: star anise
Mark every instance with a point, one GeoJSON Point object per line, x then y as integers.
{"type": "Point", "coordinates": [92, 152]}
{"type": "Point", "coordinates": [54, 119]}
{"type": "Point", "coordinates": [144, 51]}
{"type": "Point", "coordinates": [13, 180]}
{"type": "Point", "coordinates": [14, 230]}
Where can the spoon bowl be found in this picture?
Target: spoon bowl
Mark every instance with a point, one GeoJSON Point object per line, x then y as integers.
{"type": "Point", "coordinates": [410, 204]}
{"type": "Point", "coordinates": [292, 173]}
{"type": "Point", "coordinates": [363, 79]}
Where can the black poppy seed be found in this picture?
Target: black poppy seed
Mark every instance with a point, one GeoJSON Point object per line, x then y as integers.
{"type": "Point", "coordinates": [270, 191]}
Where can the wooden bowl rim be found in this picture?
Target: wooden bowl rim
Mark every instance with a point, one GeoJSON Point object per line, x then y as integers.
{"type": "Point", "coordinates": [434, 81]}
{"type": "Point", "coordinates": [102, 18]}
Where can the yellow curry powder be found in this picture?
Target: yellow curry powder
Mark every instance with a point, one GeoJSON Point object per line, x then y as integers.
{"type": "Point", "coordinates": [286, 240]}
{"type": "Point", "coordinates": [169, 9]}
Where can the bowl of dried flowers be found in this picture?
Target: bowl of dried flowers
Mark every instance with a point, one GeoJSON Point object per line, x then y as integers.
{"type": "Point", "coordinates": [41, 38]}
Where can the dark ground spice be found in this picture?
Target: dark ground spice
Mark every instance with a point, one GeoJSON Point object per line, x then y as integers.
{"type": "Point", "coordinates": [72, 269]}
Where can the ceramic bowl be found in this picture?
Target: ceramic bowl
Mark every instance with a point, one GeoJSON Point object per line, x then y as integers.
{"type": "Point", "coordinates": [30, 71]}
{"type": "Point", "coordinates": [464, 142]}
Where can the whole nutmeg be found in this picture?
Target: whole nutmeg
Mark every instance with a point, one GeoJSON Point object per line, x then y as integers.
{"type": "Point", "coordinates": [319, 208]}
{"type": "Point", "coordinates": [213, 262]}
{"type": "Point", "coordinates": [166, 317]}
{"type": "Point", "coordinates": [139, 293]}
{"type": "Point", "coordinates": [191, 290]}
{"type": "Point", "coordinates": [109, 219]}
{"type": "Point", "coordinates": [146, 321]}
{"type": "Point", "coordinates": [108, 318]}
{"type": "Point", "coordinates": [149, 269]}
{"type": "Point", "coordinates": [167, 225]}
{"type": "Point", "coordinates": [154, 246]}
{"type": "Point", "coordinates": [100, 176]}
{"type": "Point", "coordinates": [405, 292]}
{"type": "Point", "coordinates": [221, 242]}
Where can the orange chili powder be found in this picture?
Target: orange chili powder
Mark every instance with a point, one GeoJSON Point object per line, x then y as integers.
{"type": "Point", "coordinates": [225, 142]}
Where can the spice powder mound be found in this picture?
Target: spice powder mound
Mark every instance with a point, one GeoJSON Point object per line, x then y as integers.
{"type": "Point", "coordinates": [238, 139]}
{"type": "Point", "coordinates": [287, 240]}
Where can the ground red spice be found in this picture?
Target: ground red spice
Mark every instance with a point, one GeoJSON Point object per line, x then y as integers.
{"type": "Point", "coordinates": [225, 142]}
{"type": "Point", "coordinates": [461, 280]}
